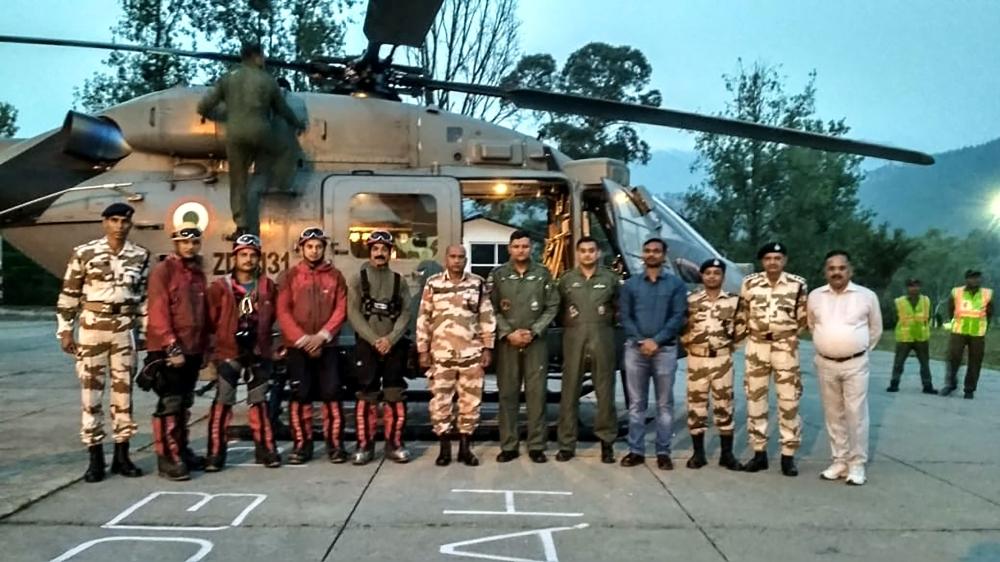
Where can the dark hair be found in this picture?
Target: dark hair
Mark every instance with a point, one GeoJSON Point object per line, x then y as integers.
{"type": "Point", "coordinates": [833, 253]}
{"type": "Point", "coordinates": [587, 240]}
{"type": "Point", "coordinates": [519, 234]}
{"type": "Point", "coordinates": [250, 49]}
{"type": "Point", "coordinates": [284, 83]}
{"type": "Point", "coordinates": [654, 240]}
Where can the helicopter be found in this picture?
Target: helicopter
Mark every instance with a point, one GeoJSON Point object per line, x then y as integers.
{"type": "Point", "coordinates": [367, 161]}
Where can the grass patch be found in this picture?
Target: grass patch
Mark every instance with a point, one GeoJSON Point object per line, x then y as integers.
{"type": "Point", "coordinates": [939, 346]}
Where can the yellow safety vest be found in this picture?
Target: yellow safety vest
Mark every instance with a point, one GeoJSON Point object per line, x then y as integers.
{"type": "Point", "coordinates": [970, 311]}
{"type": "Point", "coordinates": [913, 324]}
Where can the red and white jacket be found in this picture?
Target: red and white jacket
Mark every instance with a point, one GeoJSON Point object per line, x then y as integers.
{"type": "Point", "coordinates": [311, 300]}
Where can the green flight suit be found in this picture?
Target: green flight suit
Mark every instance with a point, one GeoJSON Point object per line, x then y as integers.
{"type": "Point", "coordinates": [252, 99]}
{"type": "Point", "coordinates": [529, 301]}
{"type": "Point", "coordinates": [588, 309]}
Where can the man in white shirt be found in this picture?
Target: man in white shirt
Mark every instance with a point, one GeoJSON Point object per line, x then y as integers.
{"type": "Point", "coordinates": [846, 323]}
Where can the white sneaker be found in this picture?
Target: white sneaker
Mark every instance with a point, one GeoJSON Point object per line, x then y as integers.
{"type": "Point", "coordinates": [856, 475]}
{"type": "Point", "coordinates": [835, 471]}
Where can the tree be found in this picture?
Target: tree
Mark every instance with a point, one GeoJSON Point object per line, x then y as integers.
{"type": "Point", "coordinates": [8, 120]}
{"type": "Point", "coordinates": [756, 192]}
{"type": "Point", "coordinates": [474, 41]}
{"type": "Point", "coordinates": [156, 23]}
{"type": "Point", "coordinates": [290, 29]}
{"type": "Point", "coordinates": [619, 73]}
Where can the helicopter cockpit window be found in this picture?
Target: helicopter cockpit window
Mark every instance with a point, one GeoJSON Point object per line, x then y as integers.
{"type": "Point", "coordinates": [411, 218]}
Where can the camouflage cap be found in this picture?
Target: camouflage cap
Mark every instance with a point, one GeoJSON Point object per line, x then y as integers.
{"type": "Point", "coordinates": [118, 210]}
{"type": "Point", "coordinates": [771, 248]}
{"type": "Point", "coordinates": [714, 262]}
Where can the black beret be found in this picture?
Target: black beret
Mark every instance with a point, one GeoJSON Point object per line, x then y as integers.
{"type": "Point", "coordinates": [714, 262]}
{"type": "Point", "coordinates": [973, 273]}
{"type": "Point", "coordinates": [771, 247]}
{"type": "Point", "coordinates": [118, 210]}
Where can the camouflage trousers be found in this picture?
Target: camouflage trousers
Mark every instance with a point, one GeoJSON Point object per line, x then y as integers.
{"type": "Point", "coordinates": [715, 374]}
{"type": "Point", "coordinates": [464, 377]}
{"type": "Point", "coordinates": [781, 358]}
{"type": "Point", "coordinates": [103, 347]}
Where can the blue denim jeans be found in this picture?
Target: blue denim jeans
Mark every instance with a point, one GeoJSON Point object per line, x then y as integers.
{"type": "Point", "coordinates": [638, 370]}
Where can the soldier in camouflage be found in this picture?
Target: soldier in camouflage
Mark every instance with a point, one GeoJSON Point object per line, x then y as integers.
{"type": "Point", "coordinates": [709, 338]}
{"type": "Point", "coordinates": [589, 295]}
{"type": "Point", "coordinates": [772, 310]}
{"type": "Point", "coordinates": [455, 326]}
{"type": "Point", "coordinates": [526, 302]}
{"type": "Point", "coordinates": [105, 289]}
{"type": "Point", "coordinates": [252, 99]}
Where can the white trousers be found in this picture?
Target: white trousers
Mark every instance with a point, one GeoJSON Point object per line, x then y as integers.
{"type": "Point", "coordinates": [844, 390]}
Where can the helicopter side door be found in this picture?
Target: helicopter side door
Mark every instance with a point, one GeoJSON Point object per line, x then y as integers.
{"type": "Point", "coordinates": [423, 213]}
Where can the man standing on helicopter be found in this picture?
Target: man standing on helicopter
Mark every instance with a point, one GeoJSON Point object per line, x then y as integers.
{"type": "Point", "coordinates": [252, 99]}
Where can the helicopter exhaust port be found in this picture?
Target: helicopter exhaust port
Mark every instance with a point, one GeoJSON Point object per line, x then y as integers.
{"type": "Point", "coordinates": [97, 139]}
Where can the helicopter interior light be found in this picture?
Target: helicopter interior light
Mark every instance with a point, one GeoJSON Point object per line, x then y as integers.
{"type": "Point", "coordinates": [501, 188]}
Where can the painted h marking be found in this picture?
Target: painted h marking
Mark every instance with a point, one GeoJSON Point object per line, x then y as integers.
{"type": "Point", "coordinates": [509, 507]}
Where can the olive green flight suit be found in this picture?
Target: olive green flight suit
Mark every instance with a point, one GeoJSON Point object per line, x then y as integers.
{"type": "Point", "coordinates": [528, 301]}
{"type": "Point", "coordinates": [588, 309]}
{"type": "Point", "coordinates": [252, 99]}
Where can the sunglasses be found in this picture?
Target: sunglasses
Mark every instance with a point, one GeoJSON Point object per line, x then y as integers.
{"type": "Point", "coordinates": [187, 234]}
{"type": "Point", "coordinates": [248, 240]}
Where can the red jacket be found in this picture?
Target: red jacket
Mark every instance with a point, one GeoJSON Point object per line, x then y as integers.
{"type": "Point", "coordinates": [223, 310]}
{"type": "Point", "coordinates": [177, 306]}
{"type": "Point", "coordinates": [311, 300]}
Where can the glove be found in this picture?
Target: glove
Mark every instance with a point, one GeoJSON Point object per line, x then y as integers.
{"type": "Point", "coordinates": [149, 375]}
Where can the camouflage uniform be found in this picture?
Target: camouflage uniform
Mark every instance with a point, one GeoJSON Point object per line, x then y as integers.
{"type": "Point", "coordinates": [455, 324]}
{"type": "Point", "coordinates": [773, 316]}
{"type": "Point", "coordinates": [107, 293]}
{"type": "Point", "coordinates": [252, 99]}
{"type": "Point", "coordinates": [709, 337]}
{"type": "Point", "coordinates": [529, 301]}
{"type": "Point", "coordinates": [589, 330]}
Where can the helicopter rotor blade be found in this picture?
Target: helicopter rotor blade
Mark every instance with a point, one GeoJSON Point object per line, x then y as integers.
{"type": "Point", "coordinates": [541, 100]}
{"type": "Point", "coordinates": [400, 22]}
{"type": "Point", "coordinates": [207, 55]}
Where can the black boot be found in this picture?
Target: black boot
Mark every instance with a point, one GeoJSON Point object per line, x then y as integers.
{"type": "Point", "coordinates": [726, 457]}
{"type": "Point", "coordinates": [465, 454]}
{"type": "Point", "coordinates": [95, 470]}
{"type": "Point", "coordinates": [121, 464]}
{"type": "Point", "coordinates": [698, 459]}
{"type": "Point", "coordinates": [757, 463]}
{"type": "Point", "coordinates": [607, 452]}
{"type": "Point", "coordinates": [301, 424]}
{"type": "Point", "coordinates": [788, 467]}
{"type": "Point", "coordinates": [444, 457]}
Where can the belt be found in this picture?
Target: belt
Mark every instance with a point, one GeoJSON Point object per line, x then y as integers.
{"type": "Point", "coordinates": [842, 359]}
{"type": "Point", "coordinates": [110, 308]}
{"type": "Point", "coordinates": [772, 336]}
{"type": "Point", "coordinates": [721, 352]}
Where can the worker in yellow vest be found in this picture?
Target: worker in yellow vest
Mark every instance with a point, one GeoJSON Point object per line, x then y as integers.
{"type": "Point", "coordinates": [971, 308]}
{"type": "Point", "coordinates": [913, 333]}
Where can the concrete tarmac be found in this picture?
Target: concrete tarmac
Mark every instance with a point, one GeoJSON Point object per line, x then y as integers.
{"type": "Point", "coordinates": [933, 492]}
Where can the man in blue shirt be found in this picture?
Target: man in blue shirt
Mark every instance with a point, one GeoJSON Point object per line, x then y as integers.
{"type": "Point", "coordinates": [653, 309]}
